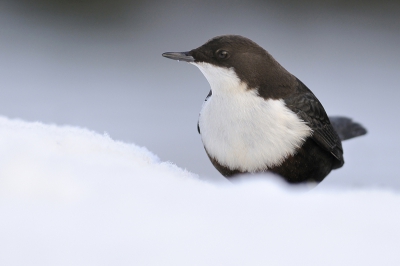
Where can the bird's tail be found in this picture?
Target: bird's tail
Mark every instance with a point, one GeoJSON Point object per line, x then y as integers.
{"type": "Point", "coordinates": [346, 128]}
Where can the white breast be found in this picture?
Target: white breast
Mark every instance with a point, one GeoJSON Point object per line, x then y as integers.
{"type": "Point", "coordinates": [242, 130]}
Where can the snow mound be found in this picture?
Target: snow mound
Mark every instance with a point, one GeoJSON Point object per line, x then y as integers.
{"type": "Point", "coordinates": [69, 196]}
{"type": "Point", "coordinates": [38, 160]}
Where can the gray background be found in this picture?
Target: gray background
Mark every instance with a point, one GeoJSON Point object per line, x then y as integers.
{"type": "Point", "coordinates": [98, 65]}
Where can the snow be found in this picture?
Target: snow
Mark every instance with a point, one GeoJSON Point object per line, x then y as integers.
{"type": "Point", "coordinates": [70, 196]}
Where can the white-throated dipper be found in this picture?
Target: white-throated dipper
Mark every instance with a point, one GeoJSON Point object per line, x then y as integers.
{"type": "Point", "coordinates": [258, 117]}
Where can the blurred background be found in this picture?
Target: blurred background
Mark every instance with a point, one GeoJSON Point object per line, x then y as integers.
{"type": "Point", "coordinates": [98, 64]}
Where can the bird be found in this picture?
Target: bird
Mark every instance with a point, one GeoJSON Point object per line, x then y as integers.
{"type": "Point", "coordinates": [258, 117]}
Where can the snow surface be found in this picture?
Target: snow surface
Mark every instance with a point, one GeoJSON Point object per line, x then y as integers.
{"type": "Point", "coordinates": [70, 196]}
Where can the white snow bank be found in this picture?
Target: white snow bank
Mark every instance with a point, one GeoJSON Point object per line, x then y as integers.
{"type": "Point", "coordinates": [69, 196]}
{"type": "Point", "coordinates": [47, 161]}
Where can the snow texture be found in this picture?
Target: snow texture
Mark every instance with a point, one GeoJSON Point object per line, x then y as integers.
{"type": "Point", "coordinates": [70, 196]}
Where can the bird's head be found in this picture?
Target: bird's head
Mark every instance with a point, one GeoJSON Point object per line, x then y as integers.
{"type": "Point", "coordinates": [232, 59]}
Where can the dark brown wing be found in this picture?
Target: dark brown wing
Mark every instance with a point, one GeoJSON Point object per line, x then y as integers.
{"type": "Point", "coordinates": [304, 103]}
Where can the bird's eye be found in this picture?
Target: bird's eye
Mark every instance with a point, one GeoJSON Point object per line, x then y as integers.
{"type": "Point", "coordinates": [222, 54]}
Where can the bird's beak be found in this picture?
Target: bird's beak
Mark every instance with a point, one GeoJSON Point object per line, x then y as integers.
{"type": "Point", "coordinates": [180, 56]}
